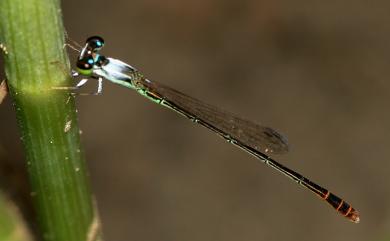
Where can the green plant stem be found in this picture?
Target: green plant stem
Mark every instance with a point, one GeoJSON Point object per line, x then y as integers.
{"type": "Point", "coordinates": [33, 34]}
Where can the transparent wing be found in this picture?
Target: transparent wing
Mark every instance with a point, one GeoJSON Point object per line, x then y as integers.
{"type": "Point", "coordinates": [229, 125]}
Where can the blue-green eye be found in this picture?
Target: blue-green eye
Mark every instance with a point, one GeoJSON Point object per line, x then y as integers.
{"type": "Point", "coordinates": [85, 65]}
{"type": "Point", "coordinates": [95, 43]}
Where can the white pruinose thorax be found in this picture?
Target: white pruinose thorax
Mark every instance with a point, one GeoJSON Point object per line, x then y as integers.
{"type": "Point", "coordinates": [117, 72]}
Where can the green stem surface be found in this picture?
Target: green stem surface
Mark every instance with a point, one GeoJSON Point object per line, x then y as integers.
{"type": "Point", "coordinates": [33, 34]}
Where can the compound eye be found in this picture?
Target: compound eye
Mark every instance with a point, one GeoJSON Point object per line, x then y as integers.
{"type": "Point", "coordinates": [85, 66]}
{"type": "Point", "coordinates": [85, 63]}
{"type": "Point", "coordinates": [95, 42]}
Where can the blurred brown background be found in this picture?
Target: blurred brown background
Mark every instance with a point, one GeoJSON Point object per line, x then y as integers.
{"type": "Point", "coordinates": [318, 71]}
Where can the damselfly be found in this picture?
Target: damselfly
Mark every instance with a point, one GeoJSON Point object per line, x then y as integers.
{"type": "Point", "coordinates": [251, 137]}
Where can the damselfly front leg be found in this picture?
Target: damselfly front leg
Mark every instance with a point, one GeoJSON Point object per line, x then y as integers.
{"type": "Point", "coordinates": [71, 47]}
{"type": "Point", "coordinates": [74, 74]}
{"type": "Point", "coordinates": [80, 84]}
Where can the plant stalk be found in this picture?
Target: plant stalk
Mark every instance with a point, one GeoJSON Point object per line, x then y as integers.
{"type": "Point", "coordinates": [33, 34]}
